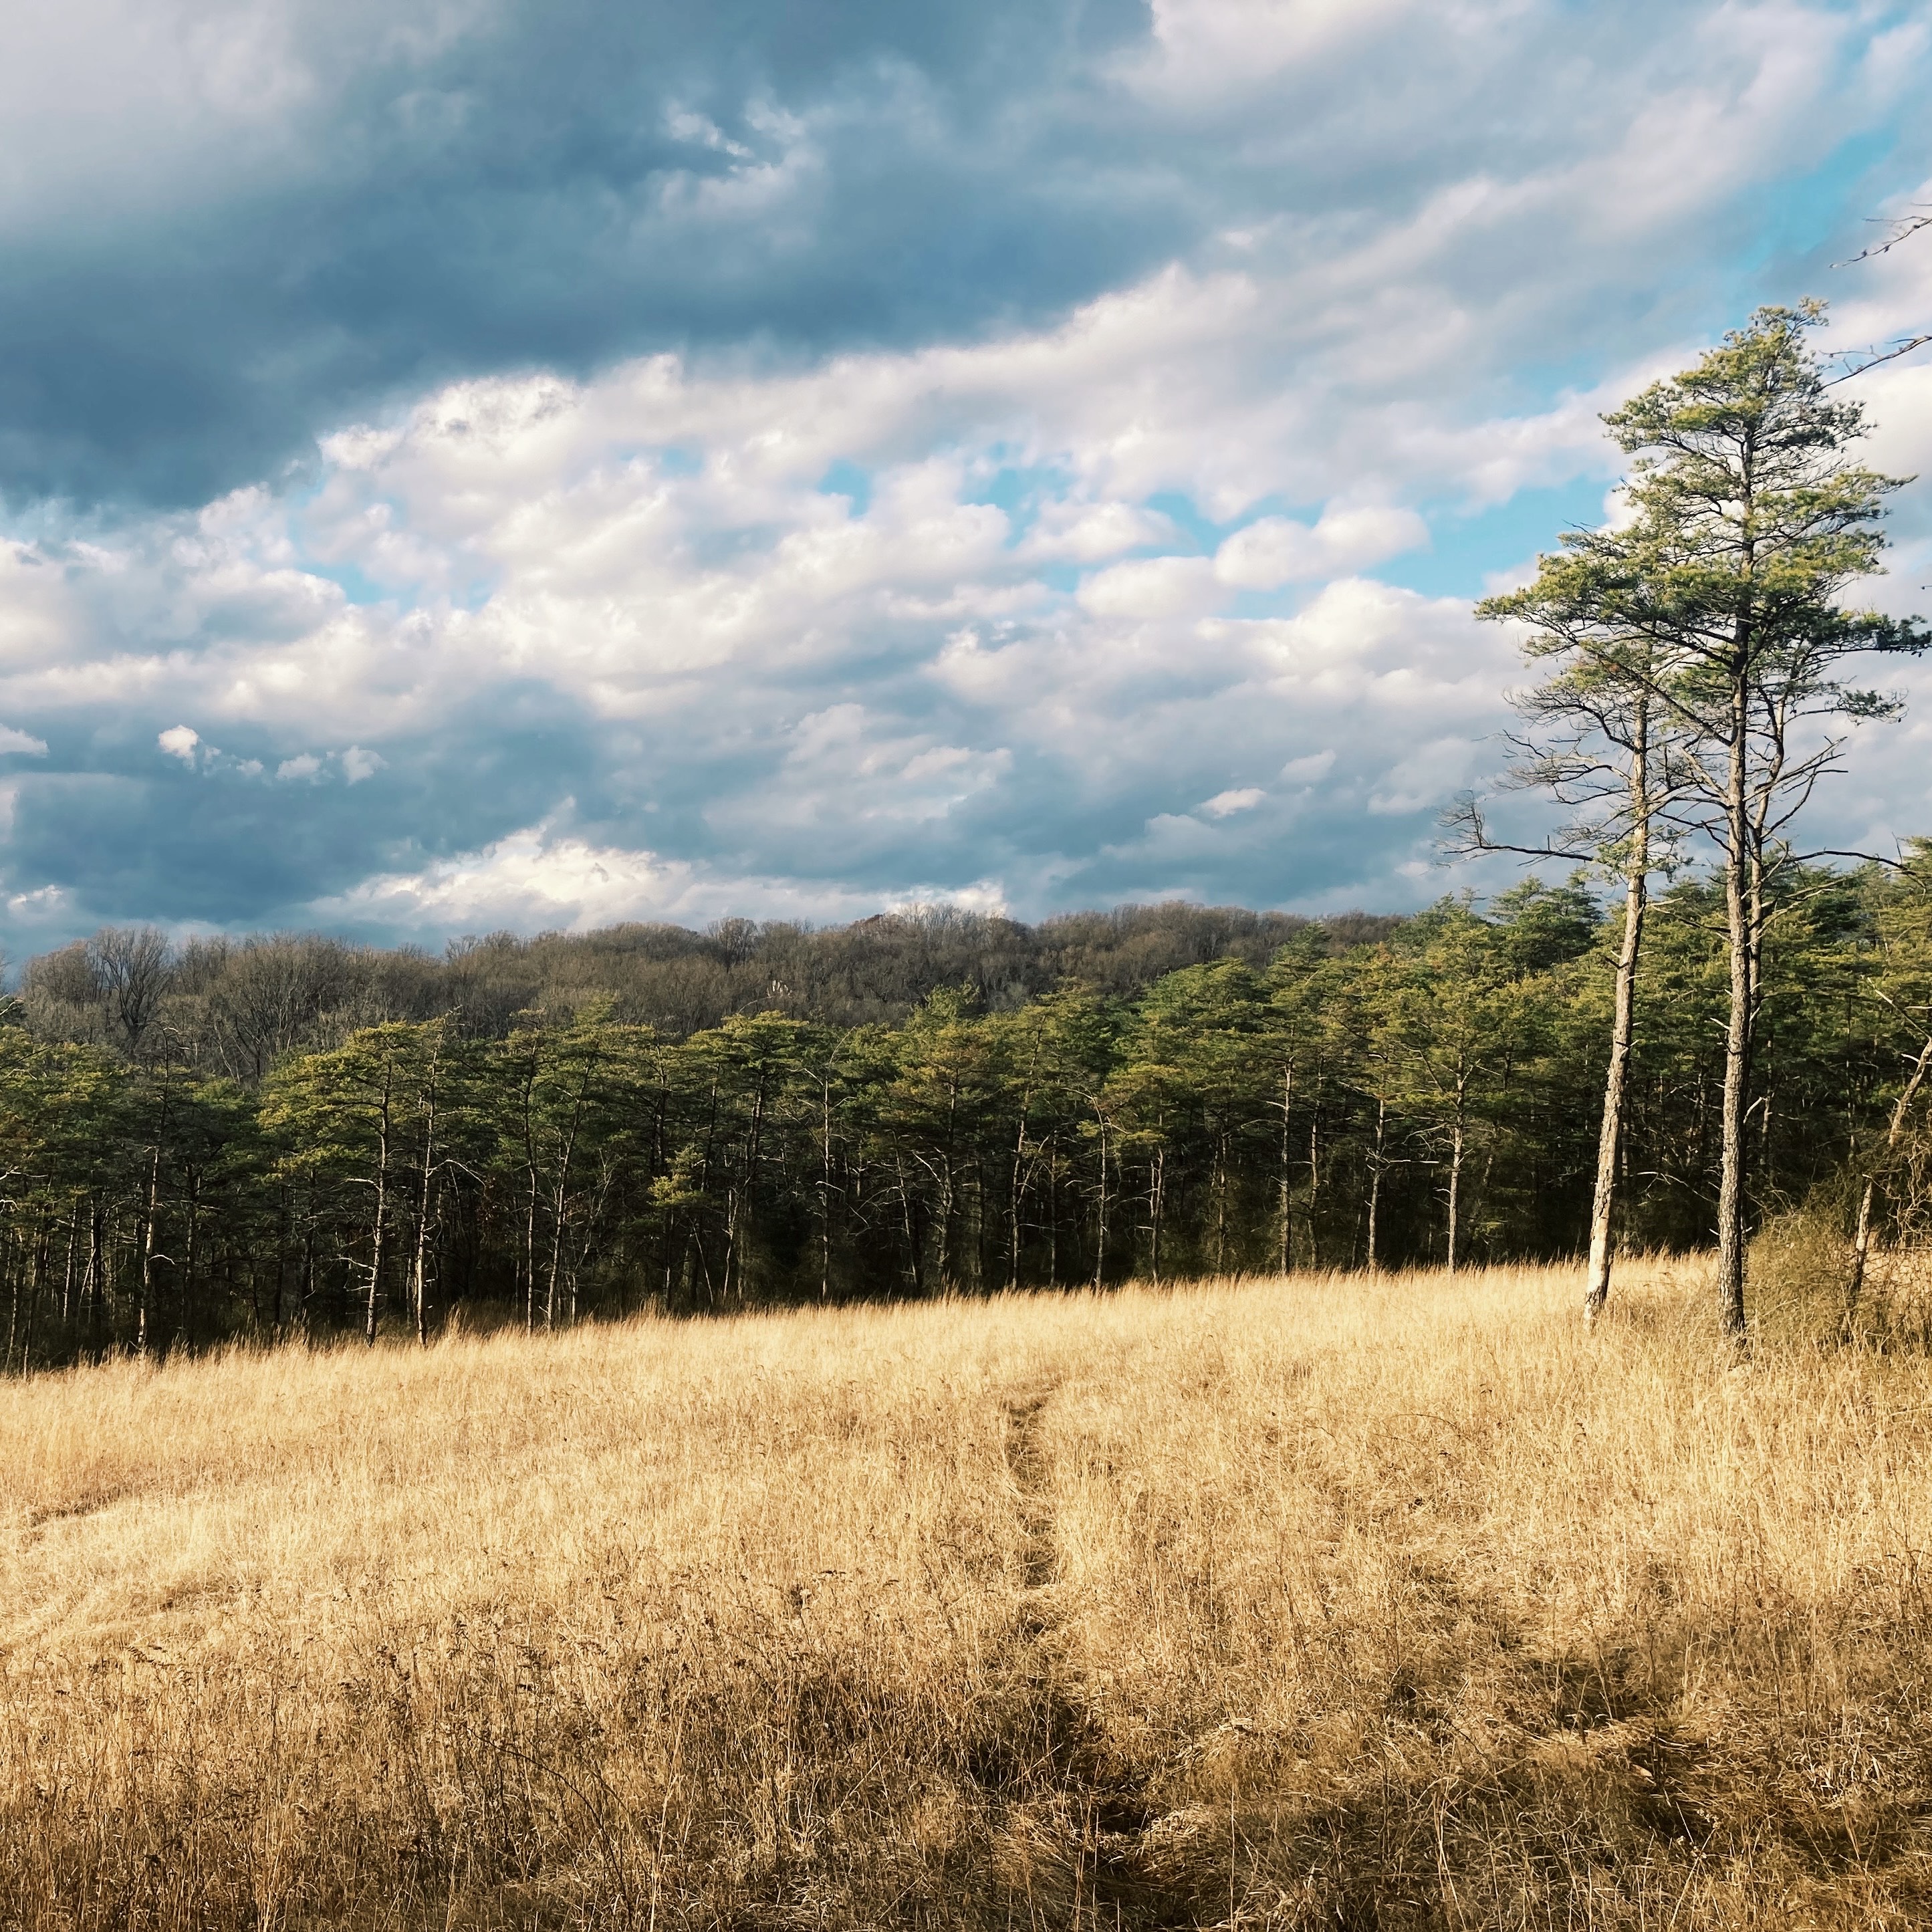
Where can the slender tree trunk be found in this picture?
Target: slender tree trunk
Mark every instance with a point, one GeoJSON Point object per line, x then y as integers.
{"type": "Point", "coordinates": [915, 1260]}
{"type": "Point", "coordinates": [67, 1280]}
{"type": "Point", "coordinates": [305, 1291]}
{"type": "Point", "coordinates": [1014, 1189]}
{"type": "Point", "coordinates": [1052, 1217]}
{"type": "Point", "coordinates": [34, 1301]}
{"type": "Point", "coordinates": [1100, 1242]}
{"type": "Point", "coordinates": [382, 1224]}
{"type": "Point", "coordinates": [1376, 1183]}
{"type": "Point", "coordinates": [1314, 1179]}
{"type": "Point", "coordinates": [1287, 1100]}
{"type": "Point", "coordinates": [947, 1192]}
{"type": "Point", "coordinates": [148, 1254]}
{"type": "Point", "coordinates": [825, 1192]}
{"type": "Point", "coordinates": [419, 1272]}
{"type": "Point", "coordinates": [91, 1296]}
{"type": "Point", "coordinates": [732, 1204]}
{"type": "Point", "coordinates": [1456, 1144]}
{"type": "Point", "coordinates": [1616, 1081]}
{"type": "Point", "coordinates": [12, 1315]}
{"type": "Point", "coordinates": [1894, 1132]}
{"type": "Point", "coordinates": [1157, 1190]}
{"type": "Point", "coordinates": [1220, 1181]}
{"type": "Point", "coordinates": [532, 1183]}
{"type": "Point", "coordinates": [192, 1259]}
{"type": "Point", "coordinates": [1731, 1315]}
{"type": "Point", "coordinates": [744, 1199]}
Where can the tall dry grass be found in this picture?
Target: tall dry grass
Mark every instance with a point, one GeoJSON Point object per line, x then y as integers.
{"type": "Point", "coordinates": [1321, 1602]}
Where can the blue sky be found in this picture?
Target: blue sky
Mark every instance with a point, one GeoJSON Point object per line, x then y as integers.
{"type": "Point", "coordinates": [465, 463]}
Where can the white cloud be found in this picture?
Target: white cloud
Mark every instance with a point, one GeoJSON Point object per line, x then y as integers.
{"type": "Point", "coordinates": [1225, 804]}
{"type": "Point", "coordinates": [542, 877]}
{"type": "Point", "coordinates": [11, 740]}
{"type": "Point", "coordinates": [1309, 770]}
{"type": "Point", "coordinates": [1205, 50]}
{"type": "Point", "coordinates": [1070, 598]}
{"type": "Point", "coordinates": [1161, 586]}
{"type": "Point", "coordinates": [1277, 550]}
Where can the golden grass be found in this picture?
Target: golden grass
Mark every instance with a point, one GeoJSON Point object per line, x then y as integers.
{"type": "Point", "coordinates": [1320, 1602]}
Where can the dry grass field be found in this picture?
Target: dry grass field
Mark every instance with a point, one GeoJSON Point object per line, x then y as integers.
{"type": "Point", "coordinates": [1321, 1602]}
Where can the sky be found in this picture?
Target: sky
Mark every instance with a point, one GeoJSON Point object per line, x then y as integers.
{"type": "Point", "coordinates": [472, 464]}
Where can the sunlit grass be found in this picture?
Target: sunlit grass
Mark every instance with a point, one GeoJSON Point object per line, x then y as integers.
{"type": "Point", "coordinates": [1321, 1601]}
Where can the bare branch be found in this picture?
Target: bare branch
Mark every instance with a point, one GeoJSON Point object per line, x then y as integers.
{"type": "Point", "coordinates": [1873, 357]}
{"type": "Point", "coordinates": [1902, 230]}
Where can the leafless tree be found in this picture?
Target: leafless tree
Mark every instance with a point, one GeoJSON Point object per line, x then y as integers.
{"type": "Point", "coordinates": [131, 966]}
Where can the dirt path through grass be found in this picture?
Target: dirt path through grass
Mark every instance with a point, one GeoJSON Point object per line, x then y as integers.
{"type": "Point", "coordinates": [1388, 1604]}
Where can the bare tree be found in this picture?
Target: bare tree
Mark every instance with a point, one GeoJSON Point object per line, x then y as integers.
{"type": "Point", "coordinates": [270, 996]}
{"type": "Point", "coordinates": [131, 966]}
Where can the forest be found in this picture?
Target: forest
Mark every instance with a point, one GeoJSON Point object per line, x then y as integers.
{"type": "Point", "coordinates": [288, 1135]}
{"type": "Point", "coordinates": [292, 1135]}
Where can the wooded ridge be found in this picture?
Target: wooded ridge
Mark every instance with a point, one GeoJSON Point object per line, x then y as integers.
{"type": "Point", "coordinates": [289, 1135]}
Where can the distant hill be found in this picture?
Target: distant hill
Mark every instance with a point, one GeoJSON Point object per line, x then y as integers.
{"type": "Point", "coordinates": [241, 1003]}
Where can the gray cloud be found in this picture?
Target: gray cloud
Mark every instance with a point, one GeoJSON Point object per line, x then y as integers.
{"type": "Point", "coordinates": [242, 223]}
{"type": "Point", "coordinates": [1053, 391]}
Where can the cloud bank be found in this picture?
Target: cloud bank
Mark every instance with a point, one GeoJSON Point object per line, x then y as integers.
{"type": "Point", "coordinates": [469, 467]}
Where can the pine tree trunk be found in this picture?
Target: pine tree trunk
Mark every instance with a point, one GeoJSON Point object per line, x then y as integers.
{"type": "Point", "coordinates": [1315, 1181]}
{"type": "Point", "coordinates": [1456, 1141]}
{"type": "Point", "coordinates": [1157, 1190]}
{"type": "Point", "coordinates": [193, 1258]}
{"type": "Point", "coordinates": [92, 1297]}
{"type": "Point", "coordinates": [66, 1280]}
{"type": "Point", "coordinates": [1895, 1132]}
{"type": "Point", "coordinates": [33, 1300]}
{"type": "Point", "coordinates": [1731, 1314]}
{"type": "Point", "coordinates": [825, 1200]}
{"type": "Point", "coordinates": [141, 1316]}
{"type": "Point", "coordinates": [1287, 1098]}
{"type": "Point", "coordinates": [12, 1315]}
{"type": "Point", "coordinates": [1616, 1081]}
{"type": "Point", "coordinates": [418, 1281]}
{"type": "Point", "coordinates": [1100, 1243]}
{"type": "Point", "coordinates": [1376, 1183]}
{"type": "Point", "coordinates": [382, 1221]}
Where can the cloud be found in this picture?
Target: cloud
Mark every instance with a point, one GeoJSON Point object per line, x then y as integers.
{"type": "Point", "coordinates": [954, 452]}
{"type": "Point", "coordinates": [13, 741]}
{"type": "Point", "coordinates": [1277, 550]}
{"type": "Point", "coordinates": [1310, 770]}
{"type": "Point", "coordinates": [542, 878]}
{"type": "Point", "coordinates": [1225, 804]}
{"type": "Point", "coordinates": [231, 225]}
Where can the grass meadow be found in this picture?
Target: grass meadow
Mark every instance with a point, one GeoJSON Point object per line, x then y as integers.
{"type": "Point", "coordinates": [1326, 1601]}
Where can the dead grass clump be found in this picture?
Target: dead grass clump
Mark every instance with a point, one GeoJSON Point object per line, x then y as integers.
{"type": "Point", "coordinates": [1801, 1271]}
{"type": "Point", "coordinates": [1804, 1270]}
{"type": "Point", "coordinates": [1320, 1602]}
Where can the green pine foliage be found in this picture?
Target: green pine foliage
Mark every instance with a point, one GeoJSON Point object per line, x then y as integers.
{"type": "Point", "coordinates": [1237, 1114]}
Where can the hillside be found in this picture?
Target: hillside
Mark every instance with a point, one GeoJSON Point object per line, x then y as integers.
{"type": "Point", "coordinates": [235, 1005]}
{"type": "Point", "coordinates": [1314, 1602]}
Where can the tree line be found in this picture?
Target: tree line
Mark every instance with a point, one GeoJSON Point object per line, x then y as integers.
{"type": "Point", "coordinates": [1427, 1097]}
{"type": "Point", "coordinates": [289, 1134]}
